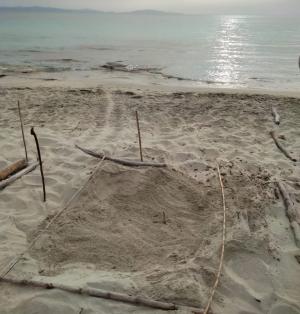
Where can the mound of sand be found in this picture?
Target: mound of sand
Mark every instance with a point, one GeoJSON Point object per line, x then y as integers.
{"type": "Point", "coordinates": [156, 222]}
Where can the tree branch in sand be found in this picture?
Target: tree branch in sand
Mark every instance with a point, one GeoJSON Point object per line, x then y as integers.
{"type": "Point", "coordinates": [18, 175]}
{"type": "Point", "coordinates": [95, 293]}
{"type": "Point", "coordinates": [275, 115]}
{"type": "Point", "coordinates": [291, 212]}
{"type": "Point", "coordinates": [124, 162]}
{"type": "Point", "coordinates": [283, 150]}
{"type": "Point", "coordinates": [214, 288]}
{"type": "Point", "coordinates": [12, 169]}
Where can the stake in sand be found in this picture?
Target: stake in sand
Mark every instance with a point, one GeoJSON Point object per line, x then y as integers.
{"type": "Point", "coordinates": [139, 134]}
{"type": "Point", "coordinates": [22, 128]}
{"type": "Point", "coordinates": [40, 161]}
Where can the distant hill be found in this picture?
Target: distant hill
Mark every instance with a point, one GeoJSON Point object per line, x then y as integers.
{"type": "Point", "coordinates": [50, 9]}
{"type": "Point", "coordinates": [151, 12]}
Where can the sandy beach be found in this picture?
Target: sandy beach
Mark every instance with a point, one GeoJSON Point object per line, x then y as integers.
{"type": "Point", "coordinates": [151, 232]}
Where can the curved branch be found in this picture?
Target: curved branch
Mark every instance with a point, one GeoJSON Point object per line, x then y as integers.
{"type": "Point", "coordinates": [123, 162]}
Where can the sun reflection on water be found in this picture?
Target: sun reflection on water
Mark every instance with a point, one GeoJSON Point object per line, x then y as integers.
{"type": "Point", "coordinates": [227, 51]}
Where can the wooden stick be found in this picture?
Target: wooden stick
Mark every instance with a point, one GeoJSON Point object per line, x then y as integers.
{"type": "Point", "coordinates": [18, 175]}
{"type": "Point", "coordinates": [123, 162]}
{"type": "Point", "coordinates": [291, 212]}
{"type": "Point", "coordinates": [103, 294]}
{"type": "Point", "coordinates": [164, 218]}
{"type": "Point", "coordinates": [12, 169]}
{"type": "Point", "coordinates": [272, 133]}
{"type": "Point", "coordinates": [222, 247]}
{"type": "Point", "coordinates": [40, 161]}
{"type": "Point", "coordinates": [95, 293]}
{"type": "Point", "coordinates": [22, 128]}
{"type": "Point", "coordinates": [275, 115]}
{"type": "Point", "coordinates": [139, 134]}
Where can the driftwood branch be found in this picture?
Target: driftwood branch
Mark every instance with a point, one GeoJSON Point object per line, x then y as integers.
{"type": "Point", "coordinates": [275, 115]}
{"type": "Point", "coordinates": [95, 293]}
{"type": "Point", "coordinates": [18, 175]}
{"type": "Point", "coordinates": [281, 148]}
{"type": "Point", "coordinates": [123, 162]}
{"type": "Point", "coordinates": [291, 212]}
{"type": "Point", "coordinates": [12, 169]}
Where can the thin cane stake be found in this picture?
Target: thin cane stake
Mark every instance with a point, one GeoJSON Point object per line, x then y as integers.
{"type": "Point", "coordinates": [213, 290]}
{"type": "Point", "coordinates": [22, 128]}
{"type": "Point", "coordinates": [164, 218]}
{"type": "Point", "coordinates": [139, 133]}
{"type": "Point", "coordinates": [40, 161]}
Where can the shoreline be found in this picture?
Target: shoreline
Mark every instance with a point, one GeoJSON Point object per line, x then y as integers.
{"type": "Point", "coordinates": [114, 80]}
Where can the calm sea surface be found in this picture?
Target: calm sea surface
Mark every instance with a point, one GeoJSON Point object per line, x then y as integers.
{"type": "Point", "coordinates": [235, 51]}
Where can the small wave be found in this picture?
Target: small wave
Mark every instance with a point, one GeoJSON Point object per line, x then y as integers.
{"type": "Point", "coordinates": [179, 78]}
{"type": "Point", "coordinates": [96, 48]}
{"type": "Point", "coordinates": [121, 67]}
{"type": "Point", "coordinates": [67, 60]}
{"type": "Point", "coordinates": [260, 79]}
{"type": "Point", "coordinates": [30, 50]}
{"type": "Point", "coordinates": [50, 69]}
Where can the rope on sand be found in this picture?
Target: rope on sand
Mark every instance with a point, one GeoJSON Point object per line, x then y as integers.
{"type": "Point", "coordinates": [214, 288]}
{"type": "Point", "coordinates": [6, 269]}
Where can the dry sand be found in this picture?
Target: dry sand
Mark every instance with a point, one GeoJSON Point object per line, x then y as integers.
{"type": "Point", "coordinates": [112, 236]}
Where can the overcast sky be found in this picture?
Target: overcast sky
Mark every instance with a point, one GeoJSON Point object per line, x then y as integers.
{"type": "Point", "coordinates": [185, 6]}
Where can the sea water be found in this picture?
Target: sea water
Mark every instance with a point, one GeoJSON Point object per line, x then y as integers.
{"type": "Point", "coordinates": [235, 51]}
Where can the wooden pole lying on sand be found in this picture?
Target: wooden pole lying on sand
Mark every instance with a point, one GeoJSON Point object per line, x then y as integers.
{"type": "Point", "coordinates": [123, 162]}
{"type": "Point", "coordinates": [139, 134]}
{"type": "Point", "coordinates": [22, 128]}
{"type": "Point", "coordinates": [291, 212]}
{"type": "Point", "coordinates": [99, 293]}
{"type": "Point", "coordinates": [275, 115]}
{"type": "Point", "coordinates": [40, 161]}
{"type": "Point", "coordinates": [95, 293]}
{"type": "Point", "coordinates": [18, 175]}
{"type": "Point", "coordinates": [12, 169]}
{"type": "Point", "coordinates": [283, 150]}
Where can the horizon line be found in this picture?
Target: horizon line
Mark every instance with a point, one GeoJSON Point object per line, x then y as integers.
{"type": "Point", "coordinates": [139, 11]}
